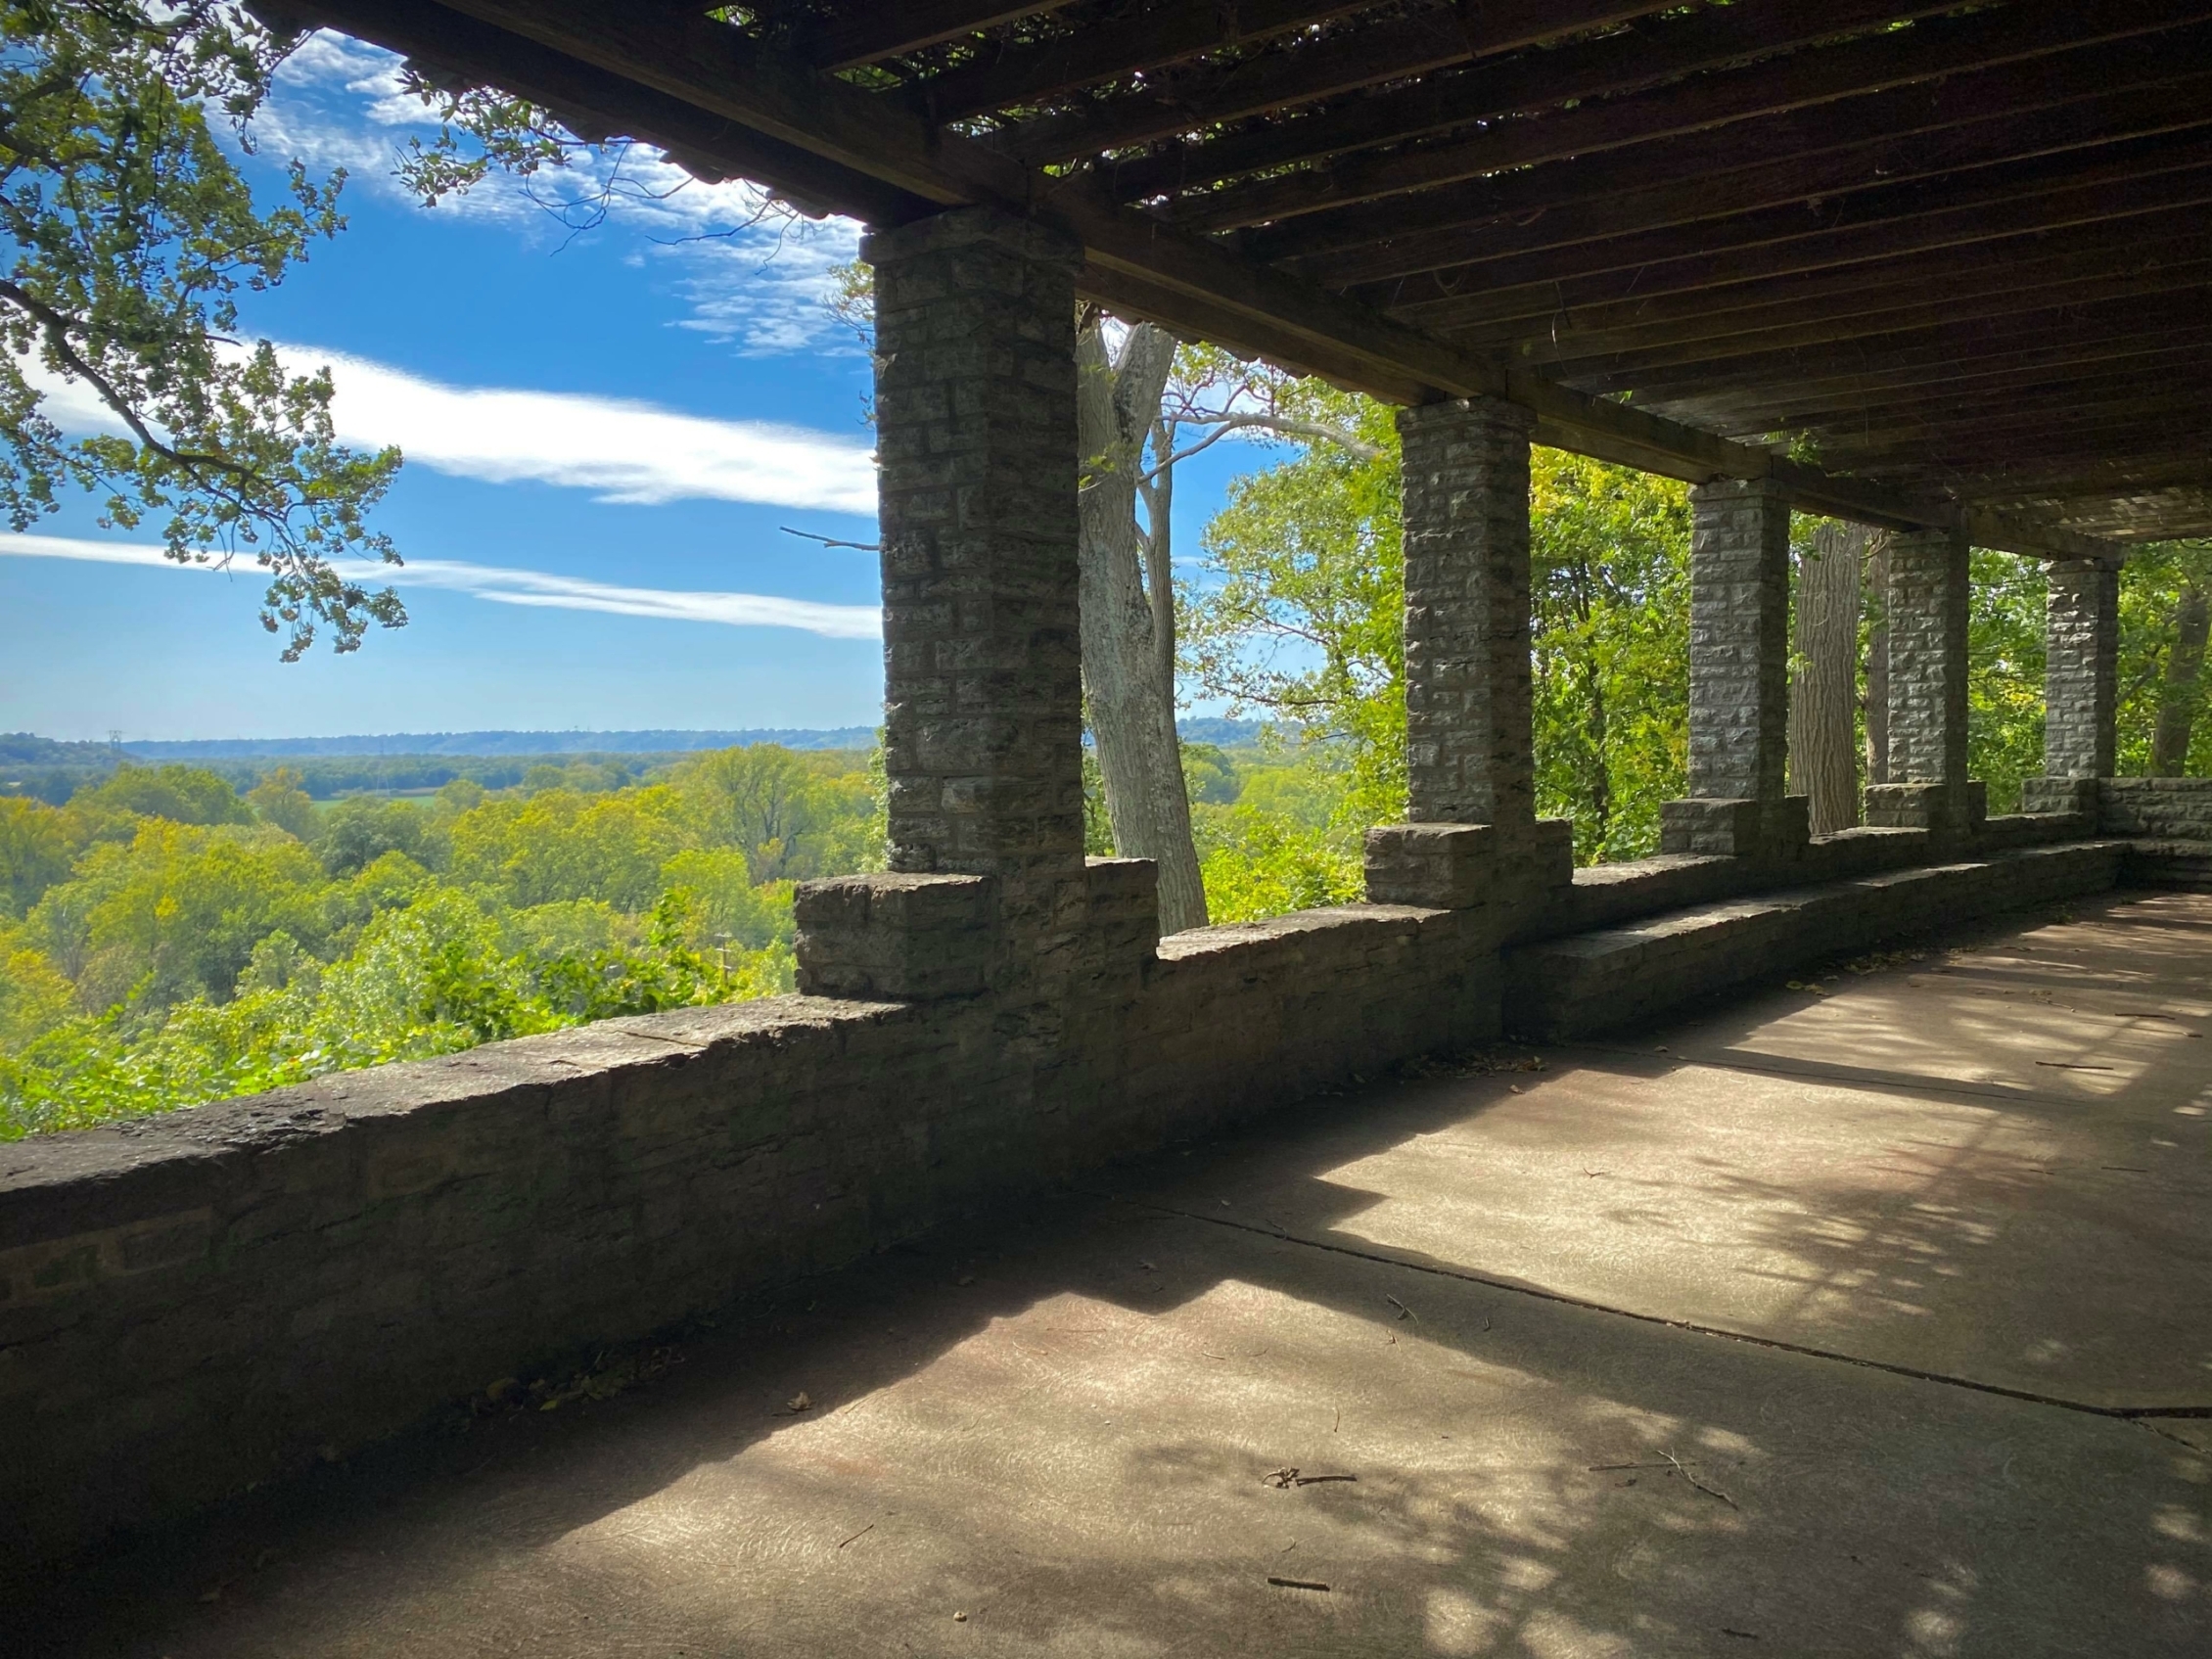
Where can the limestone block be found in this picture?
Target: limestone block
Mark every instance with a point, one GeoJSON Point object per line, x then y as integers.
{"type": "Point", "coordinates": [1538, 865]}
{"type": "Point", "coordinates": [2072, 795]}
{"type": "Point", "coordinates": [907, 937]}
{"type": "Point", "coordinates": [1121, 928]}
{"type": "Point", "coordinates": [1441, 866]}
{"type": "Point", "coordinates": [1775, 831]}
{"type": "Point", "coordinates": [1940, 808]}
{"type": "Point", "coordinates": [2174, 808]}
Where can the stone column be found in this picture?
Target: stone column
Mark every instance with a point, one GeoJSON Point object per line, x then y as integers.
{"type": "Point", "coordinates": [2082, 669]}
{"type": "Point", "coordinates": [1738, 677]}
{"type": "Point", "coordinates": [1469, 752]}
{"type": "Point", "coordinates": [2080, 687]}
{"type": "Point", "coordinates": [983, 690]}
{"type": "Point", "coordinates": [1926, 607]}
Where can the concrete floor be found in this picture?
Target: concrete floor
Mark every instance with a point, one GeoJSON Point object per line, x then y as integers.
{"type": "Point", "coordinates": [1824, 1325]}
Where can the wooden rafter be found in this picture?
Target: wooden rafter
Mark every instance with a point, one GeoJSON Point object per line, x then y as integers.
{"type": "Point", "coordinates": [869, 34]}
{"type": "Point", "coordinates": [1645, 54]}
{"type": "Point", "coordinates": [1983, 66]}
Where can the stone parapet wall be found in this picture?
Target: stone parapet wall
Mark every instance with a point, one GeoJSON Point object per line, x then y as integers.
{"type": "Point", "coordinates": [2168, 808]}
{"type": "Point", "coordinates": [1592, 983]}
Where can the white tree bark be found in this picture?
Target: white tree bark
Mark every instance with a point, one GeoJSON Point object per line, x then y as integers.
{"type": "Point", "coordinates": [1824, 748]}
{"type": "Point", "coordinates": [1128, 616]}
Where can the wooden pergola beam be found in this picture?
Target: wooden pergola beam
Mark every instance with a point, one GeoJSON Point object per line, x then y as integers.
{"type": "Point", "coordinates": [1817, 403]}
{"type": "Point", "coordinates": [1986, 64]}
{"type": "Point", "coordinates": [1644, 53]}
{"type": "Point", "coordinates": [1713, 341]}
{"type": "Point", "coordinates": [1957, 352]}
{"type": "Point", "coordinates": [872, 30]}
{"type": "Point", "coordinates": [1991, 268]}
{"type": "Point", "coordinates": [1516, 215]}
{"type": "Point", "coordinates": [2164, 176]}
{"type": "Point", "coordinates": [1321, 67]}
{"type": "Point", "coordinates": [1151, 38]}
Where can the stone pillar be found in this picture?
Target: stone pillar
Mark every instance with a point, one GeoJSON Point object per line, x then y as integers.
{"type": "Point", "coordinates": [983, 690]}
{"type": "Point", "coordinates": [1470, 752]}
{"type": "Point", "coordinates": [1738, 677]}
{"type": "Point", "coordinates": [2082, 669]}
{"type": "Point", "coordinates": [1926, 607]}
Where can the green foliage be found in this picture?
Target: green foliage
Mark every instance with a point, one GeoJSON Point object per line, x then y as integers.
{"type": "Point", "coordinates": [160, 962]}
{"type": "Point", "coordinates": [184, 795]}
{"type": "Point", "coordinates": [36, 845]}
{"type": "Point", "coordinates": [1209, 775]}
{"type": "Point", "coordinates": [1609, 556]}
{"type": "Point", "coordinates": [2004, 665]}
{"type": "Point", "coordinates": [134, 236]}
{"type": "Point", "coordinates": [792, 814]}
{"type": "Point", "coordinates": [279, 800]}
{"type": "Point", "coordinates": [357, 832]}
{"type": "Point", "coordinates": [175, 912]}
{"type": "Point", "coordinates": [561, 845]}
{"type": "Point", "coordinates": [1258, 863]}
{"type": "Point", "coordinates": [1300, 612]}
{"type": "Point", "coordinates": [2151, 584]}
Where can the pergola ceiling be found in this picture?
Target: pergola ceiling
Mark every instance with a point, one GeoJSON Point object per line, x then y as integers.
{"type": "Point", "coordinates": [1922, 262]}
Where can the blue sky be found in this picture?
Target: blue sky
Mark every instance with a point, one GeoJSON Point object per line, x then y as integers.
{"type": "Point", "coordinates": [601, 548]}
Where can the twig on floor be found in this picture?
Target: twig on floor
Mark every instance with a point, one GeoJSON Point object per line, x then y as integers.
{"type": "Point", "coordinates": [1712, 1491]}
{"type": "Point", "coordinates": [1404, 1311]}
{"type": "Point", "coordinates": [1296, 1584]}
{"type": "Point", "coordinates": [1284, 1479]}
{"type": "Point", "coordinates": [863, 1532]}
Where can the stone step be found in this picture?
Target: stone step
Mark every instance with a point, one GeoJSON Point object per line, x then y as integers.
{"type": "Point", "coordinates": [1620, 977]}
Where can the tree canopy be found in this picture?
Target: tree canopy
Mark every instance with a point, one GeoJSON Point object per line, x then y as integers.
{"type": "Point", "coordinates": [133, 235]}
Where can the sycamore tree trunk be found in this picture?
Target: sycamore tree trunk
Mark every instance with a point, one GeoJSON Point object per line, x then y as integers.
{"type": "Point", "coordinates": [1877, 661]}
{"type": "Point", "coordinates": [1127, 644]}
{"type": "Point", "coordinates": [1823, 759]}
{"type": "Point", "coordinates": [2177, 696]}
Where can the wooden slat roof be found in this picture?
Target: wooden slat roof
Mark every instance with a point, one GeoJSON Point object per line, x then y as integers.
{"type": "Point", "coordinates": [1925, 262]}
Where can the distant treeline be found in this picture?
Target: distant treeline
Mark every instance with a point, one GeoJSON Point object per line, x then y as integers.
{"type": "Point", "coordinates": [327, 777]}
{"type": "Point", "coordinates": [50, 771]}
{"type": "Point", "coordinates": [514, 745]}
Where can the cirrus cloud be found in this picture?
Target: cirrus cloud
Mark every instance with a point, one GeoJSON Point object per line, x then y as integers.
{"type": "Point", "coordinates": [505, 585]}
{"type": "Point", "coordinates": [629, 451]}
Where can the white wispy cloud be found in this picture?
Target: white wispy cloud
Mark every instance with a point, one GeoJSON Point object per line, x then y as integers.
{"type": "Point", "coordinates": [503, 586]}
{"type": "Point", "coordinates": [629, 451]}
{"type": "Point", "coordinates": [759, 285]}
